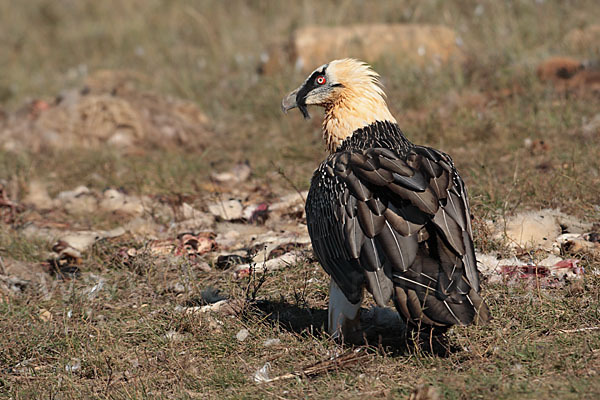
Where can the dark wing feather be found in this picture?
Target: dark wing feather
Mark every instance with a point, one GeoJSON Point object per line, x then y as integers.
{"type": "Point", "coordinates": [378, 217]}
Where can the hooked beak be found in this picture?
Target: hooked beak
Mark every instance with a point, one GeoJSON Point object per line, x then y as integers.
{"type": "Point", "coordinates": [291, 101]}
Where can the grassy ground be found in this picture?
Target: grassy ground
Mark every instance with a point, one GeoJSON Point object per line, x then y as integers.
{"type": "Point", "coordinates": [119, 344]}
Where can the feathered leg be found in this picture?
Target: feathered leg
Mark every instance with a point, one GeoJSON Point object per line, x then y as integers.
{"type": "Point", "coordinates": [344, 317]}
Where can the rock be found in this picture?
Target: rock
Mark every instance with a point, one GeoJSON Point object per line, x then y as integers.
{"type": "Point", "coordinates": [414, 44]}
{"type": "Point", "coordinates": [242, 335]}
{"type": "Point", "coordinates": [227, 210]}
{"type": "Point", "coordinates": [271, 342]}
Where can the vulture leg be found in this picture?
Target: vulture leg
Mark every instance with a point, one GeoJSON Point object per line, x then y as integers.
{"type": "Point", "coordinates": [344, 317]}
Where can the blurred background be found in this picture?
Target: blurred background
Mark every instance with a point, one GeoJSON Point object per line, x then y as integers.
{"type": "Point", "coordinates": [471, 86]}
{"type": "Point", "coordinates": [146, 168]}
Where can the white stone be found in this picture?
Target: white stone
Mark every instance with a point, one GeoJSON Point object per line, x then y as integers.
{"type": "Point", "coordinates": [242, 335]}
{"type": "Point", "coordinates": [227, 210]}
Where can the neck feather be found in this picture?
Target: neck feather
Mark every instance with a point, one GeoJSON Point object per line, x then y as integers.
{"type": "Point", "coordinates": [350, 112]}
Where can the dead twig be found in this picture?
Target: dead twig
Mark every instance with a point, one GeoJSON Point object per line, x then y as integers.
{"type": "Point", "coordinates": [281, 172]}
{"type": "Point", "coordinates": [333, 363]}
{"type": "Point", "coordinates": [587, 328]}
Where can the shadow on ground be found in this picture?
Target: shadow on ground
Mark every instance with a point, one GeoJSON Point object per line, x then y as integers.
{"type": "Point", "coordinates": [382, 328]}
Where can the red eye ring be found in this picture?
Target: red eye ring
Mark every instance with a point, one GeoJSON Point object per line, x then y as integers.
{"type": "Point", "coordinates": [321, 80]}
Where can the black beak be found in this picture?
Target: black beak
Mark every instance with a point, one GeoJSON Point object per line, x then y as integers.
{"type": "Point", "coordinates": [291, 101]}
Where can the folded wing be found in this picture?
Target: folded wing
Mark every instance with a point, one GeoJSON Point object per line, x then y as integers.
{"type": "Point", "coordinates": [398, 224]}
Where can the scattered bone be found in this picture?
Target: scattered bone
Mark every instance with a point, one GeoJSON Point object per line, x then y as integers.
{"type": "Point", "coordinates": [174, 336]}
{"type": "Point", "coordinates": [271, 342]}
{"type": "Point", "coordinates": [143, 228]}
{"type": "Point", "coordinates": [262, 374]}
{"type": "Point", "coordinates": [332, 363]}
{"type": "Point", "coordinates": [512, 270]}
{"type": "Point", "coordinates": [224, 307]}
{"type": "Point", "coordinates": [116, 201]}
{"type": "Point", "coordinates": [226, 210]}
{"type": "Point", "coordinates": [38, 197]}
{"type": "Point", "coordinates": [185, 245]}
{"type": "Point", "coordinates": [193, 220]}
{"type": "Point", "coordinates": [537, 229]}
{"type": "Point", "coordinates": [256, 213]}
{"type": "Point", "coordinates": [532, 229]}
{"type": "Point", "coordinates": [78, 201]}
{"type": "Point", "coordinates": [82, 240]}
{"type": "Point", "coordinates": [269, 265]}
{"type": "Point", "coordinates": [239, 173]}
{"type": "Point", "coordinates": [290, 201]}
{"type": "Point", "coordinates": [574, 244]}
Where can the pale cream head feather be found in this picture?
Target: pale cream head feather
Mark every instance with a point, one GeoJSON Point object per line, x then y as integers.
{"type": "Point", "coordinates": [359, 102]}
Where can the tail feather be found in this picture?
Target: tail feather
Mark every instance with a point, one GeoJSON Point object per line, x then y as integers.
{"type": "Point", "coordinates": [436, 293]}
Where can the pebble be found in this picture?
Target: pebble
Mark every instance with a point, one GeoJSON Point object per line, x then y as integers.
{"type": "Point", "coordinates": [242, 335]}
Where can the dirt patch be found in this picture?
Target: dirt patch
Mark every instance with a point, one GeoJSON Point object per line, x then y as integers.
{"type": "Point", "coordinates": [414, 44]}
{"type": "Point", "coordinates": [113, 113]}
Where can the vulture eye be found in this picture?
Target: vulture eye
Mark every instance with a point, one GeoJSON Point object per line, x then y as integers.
{"type": "Point", "coordinates": [320, 80]}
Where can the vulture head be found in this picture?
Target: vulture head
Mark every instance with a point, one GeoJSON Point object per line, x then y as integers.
{"type": "Point", "coordinates": [351, 94]}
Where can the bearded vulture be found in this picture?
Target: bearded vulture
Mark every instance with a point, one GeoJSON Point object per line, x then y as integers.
{"type": "Point", "coordinates": [383, 213]}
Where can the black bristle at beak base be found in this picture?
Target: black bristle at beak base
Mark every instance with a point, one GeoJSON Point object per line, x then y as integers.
{"type": "Point", "coordinates": [304, 111]}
